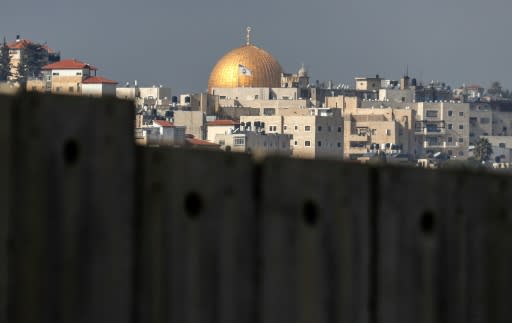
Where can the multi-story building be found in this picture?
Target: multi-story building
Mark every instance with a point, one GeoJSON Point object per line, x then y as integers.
{"type": "Point", "coordinates": [193, 121]}
{"type": "Point", "coordinates": [72, 77]}
{"type": "Point", "coordinates": [317, 135]}
{"type": "Point", "coordinates": [257, 143]}
{"type": "Point", "coordinates": [220, 127]}
{"type": "Point", "coordinates": [159, 133]}
{"type": "Point", "coordinates": [382, 129]}
{"type": "Point", "coordinates": [145, 96]}
{"type": "Point", "coordinates": [501, 148]}
{"type": "Point", "coordinates": [16, 49]}
{"type": "Point", "coordinates": [443, 127]}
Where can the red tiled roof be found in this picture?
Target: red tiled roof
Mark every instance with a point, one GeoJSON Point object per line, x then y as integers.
{"type": "Point", "coordinates": [192, 141]}
{"type": "Point", "coordinates": [199, 142]}
{"type": "Point", "coordinates": [163, 123]}
{"type": "Point", "coordinates": [98, 80]}
{"type": "Point", "coordinates": [68, 64]}
{"type": "Point", "coordinates": [22, 43]}
{"type": "Point", "coordinates": [222, 123]}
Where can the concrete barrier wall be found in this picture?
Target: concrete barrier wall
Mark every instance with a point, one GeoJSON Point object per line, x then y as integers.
{"type": "Point", "coordinates": [94, 229]}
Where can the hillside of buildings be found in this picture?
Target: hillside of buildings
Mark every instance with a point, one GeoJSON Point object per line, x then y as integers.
{"type": "Point", "coordinates": [252, 106]}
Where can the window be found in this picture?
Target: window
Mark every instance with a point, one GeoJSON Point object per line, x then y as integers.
{"type": "Point", "coordinates": [461, 126]}
{"type": "Point", "coordinates": [239, 141]}
{"type": "Point", "coordinates": [339, 129]}
{"type": "Point", "coordinates": [450, 139]}
{"type": "Point", "coordinates": [296, 127]}
{"type": "Point", "coordinates": [450, 126]}
{"type": "Point", "coordinates": [501, 145]}
{"type": "Point", "coordinates": [339, 144]}
{"type": "Point", "coordinates": [307, 128]}
{"type": "Point", "coordinates": [461, 153]}
{"type": "Point", "coordinates": [485, 120]}
{"type": "Point", "coordinates": [285, 127]}
{"type": "Point", "coordinates": [431, 113]}
{"type": "Point", "coordinates": [222, 142]}
{"type": "Point", "coordinates": [461, 139]}
{"type": "Point", "coordinates": [461, 114]}
{"type": "Point", "coordinates": [272, 128]}
{"type": "Point", "coordinates": [319, 144]}
{"type": "Point", "coordinates": [58, 89]}
{"type": "Point", "coordinates": [449, 152]}
{"type": "Point", "coordinates": [329, 128]}
{"type": "Point", "coordinates": [307, 143]}
{"type": "Point", "coordinates": [78, 73]}
{"type": "Point", "coordinates": [450, 113]}
{"type": "Point", "coordinates": [295, 143]}
{"type": "Point", "coordinates": [319, 128]}
{"type": "Point", "coordinates": [388, 132]}
{"type": "Point", "coordinates": [55, 73]}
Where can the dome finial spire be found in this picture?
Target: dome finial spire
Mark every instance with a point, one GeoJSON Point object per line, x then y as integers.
{"type": "Point", "coordinates": [248, 36]}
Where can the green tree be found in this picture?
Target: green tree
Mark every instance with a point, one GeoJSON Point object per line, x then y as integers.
{"type": "Point", "coordinates": [33, 57]}
{"type": "Point", "coordinates": [483, 150]}
{"type": "Point", "coordinates": [5, 62]}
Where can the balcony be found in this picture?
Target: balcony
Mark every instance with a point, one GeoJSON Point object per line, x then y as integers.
{"type": "Point", "coordinates": [434, 128]}
{"type": "Point", "coordinates": [359, 137]}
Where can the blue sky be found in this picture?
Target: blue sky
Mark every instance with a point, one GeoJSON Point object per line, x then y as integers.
{"type": "Point", "coordinates": [176, 43]}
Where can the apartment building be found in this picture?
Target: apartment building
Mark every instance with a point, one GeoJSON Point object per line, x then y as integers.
{"type": "Point", "coordinates": [317, 135]}
{"type": "Point", "coordinates": [386, 129]}
{"type": "Point", "coordinates": [16, 49]}
{"type": "Point", "coordinates": [443, 127]}
{"type": "Point", "coordinates": [257, 143]}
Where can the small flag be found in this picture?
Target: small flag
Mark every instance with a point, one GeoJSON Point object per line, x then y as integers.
{"type": "Point", "coordinates": [244, 70]}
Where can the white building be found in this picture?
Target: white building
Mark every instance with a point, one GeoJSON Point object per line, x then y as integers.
{"type": "Point", "coordinates": [98, 86]}
{"type": "Point", "coordinates": [220, 127]}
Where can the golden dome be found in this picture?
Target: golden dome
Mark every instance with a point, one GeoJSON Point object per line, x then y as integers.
{"type": "Point", "coordinates": [264, 69]}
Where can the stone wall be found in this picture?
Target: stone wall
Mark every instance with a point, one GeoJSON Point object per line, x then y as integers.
{"type": "Point", "coordinates": [94, 229]}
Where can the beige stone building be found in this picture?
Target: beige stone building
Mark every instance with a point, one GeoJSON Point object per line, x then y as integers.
{"type": "Point", "coordinates": [267, 100]}
{"type": "Point", "coordinates": [386, 129]}
{"type": "Point", "coordinates": [490, 119]}
{"type": "Point", "coordinates": [317, 135]}
{"type": "Point", "coordinates": [259, 144]}
{"type": "Point", "coordinates": [220, 127]}
{"type": "Point", "coordinates": [16, 49]}
{"type": "Point", "coordinates": [501, 148]}
{"type": "Point", "coordinates": [72, 77]}
{"type": "Point", "coordinates": [193, 121]}
{"type": "Point", "coordinates": [443, 127]}
{"type": "Point", "coordinates": [159, 133]}
{"type": "Point", "coordinates": [368, 83]}
{"type": "Point", "coordinates": [204, 102]}
{"type": "Point", "coordinates": [415, 128]}
{"type": "Point", "coordinates": [145, 96]}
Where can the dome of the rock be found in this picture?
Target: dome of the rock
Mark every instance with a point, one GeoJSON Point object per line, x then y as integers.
{"type": "Point", "coordinates": [245, 66]}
